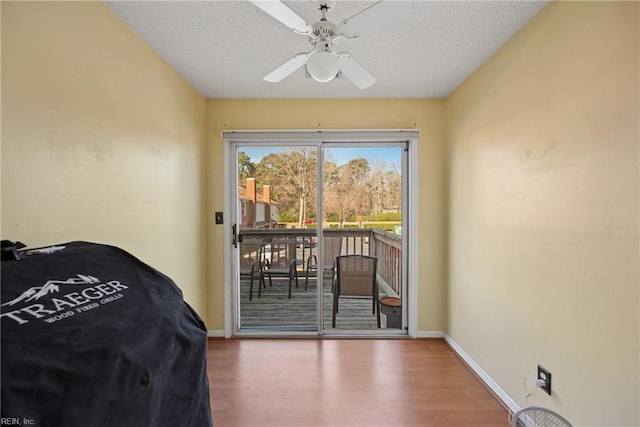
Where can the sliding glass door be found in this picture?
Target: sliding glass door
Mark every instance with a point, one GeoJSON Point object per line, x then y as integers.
{"type": "Point", "coordinates": [298, 209]}
{"type": "Point", "coordinates": [276, 198]}
{"type": "Point", "coordinates": [362, 205]}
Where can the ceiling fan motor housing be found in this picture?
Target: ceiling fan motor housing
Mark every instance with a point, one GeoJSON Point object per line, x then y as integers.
{"type": "Point", "coordinates": [324, 31]}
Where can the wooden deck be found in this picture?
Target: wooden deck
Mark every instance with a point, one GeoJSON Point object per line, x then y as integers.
{"type": "Point", "coordinates": [275, 311]}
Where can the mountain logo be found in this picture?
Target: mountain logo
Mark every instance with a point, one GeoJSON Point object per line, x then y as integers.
{"type": "Point", "coordinates": [37, 292]}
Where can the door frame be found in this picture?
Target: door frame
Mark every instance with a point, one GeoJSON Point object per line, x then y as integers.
{"type": "Point", "coordinates": [284, 137]}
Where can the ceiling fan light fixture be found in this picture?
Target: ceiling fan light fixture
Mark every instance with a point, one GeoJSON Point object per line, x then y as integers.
{"type": "Point", "coordinates": [323, 66]}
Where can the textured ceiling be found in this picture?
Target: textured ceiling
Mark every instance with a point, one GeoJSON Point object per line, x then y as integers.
{"type": "Point", "coordinates": [224, 48]}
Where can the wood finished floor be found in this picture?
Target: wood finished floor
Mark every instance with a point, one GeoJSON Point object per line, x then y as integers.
{"type": "Point", "coordinates": [345, 382]}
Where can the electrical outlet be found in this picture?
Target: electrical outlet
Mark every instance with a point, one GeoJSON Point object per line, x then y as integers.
{"type": "Point", "coordinates": [545, 376]}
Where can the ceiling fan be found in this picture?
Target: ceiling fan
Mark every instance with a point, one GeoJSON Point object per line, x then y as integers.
{"type": "Point", "coordinates": [322, 62]}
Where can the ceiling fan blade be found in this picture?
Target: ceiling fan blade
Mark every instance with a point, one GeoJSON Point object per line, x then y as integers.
{"type": "Point", "coordinates": [287, 68]}
{"type": "Point", "coordinates": [355, 71]}
{"type": "Point", "coordinates": [374, 17]}
{"type": "Point", "coordinates": [282, 13]}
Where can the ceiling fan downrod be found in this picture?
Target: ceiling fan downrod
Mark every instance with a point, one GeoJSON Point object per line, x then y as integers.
{"type": "Point", "coordinates": [324, 8]}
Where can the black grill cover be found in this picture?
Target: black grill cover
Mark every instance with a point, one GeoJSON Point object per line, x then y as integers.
{"type": "Point", "coordinates": [91, 336]}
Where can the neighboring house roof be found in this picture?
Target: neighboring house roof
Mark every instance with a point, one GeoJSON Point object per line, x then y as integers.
{"type": "Point", "coordinates": [243, 195]}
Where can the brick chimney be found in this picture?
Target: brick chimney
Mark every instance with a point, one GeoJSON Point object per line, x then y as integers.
{"type": "Point", "coordinates": [251, 189]}
{"type": "Point", "coordinates": [251, 208]}
{"type": "Point", "coordinates": [266, 196]}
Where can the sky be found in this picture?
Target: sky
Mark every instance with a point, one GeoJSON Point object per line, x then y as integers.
{"type": "Point", "coordinates": [341, 155]}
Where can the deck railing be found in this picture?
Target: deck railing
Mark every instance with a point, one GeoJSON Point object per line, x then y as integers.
{"type": "Point", "coordinates": [385, 246]}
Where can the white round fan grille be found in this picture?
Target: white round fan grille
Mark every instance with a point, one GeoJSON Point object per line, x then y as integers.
{"type": "Point", "coordinates": [324, 30]}
{"type": "Point", "coordinates": [534, 416]}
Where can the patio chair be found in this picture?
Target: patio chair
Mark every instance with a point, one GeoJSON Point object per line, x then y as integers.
{"type": "Point", "coordinates": [536, 416]}
{"type": "Point", "coordinates": [252, 262]}
{"type": "Point", "coordinates": [355, 277]}
{"type": "Point", "coordinates": [282, 261]}
{"type": "Point", "coordinates": [331, 248]}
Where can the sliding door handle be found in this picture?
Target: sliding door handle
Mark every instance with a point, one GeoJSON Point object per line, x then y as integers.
{"type": "Point", "coordinates": [234, 235]}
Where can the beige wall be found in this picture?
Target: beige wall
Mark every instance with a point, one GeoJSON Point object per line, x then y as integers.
{"type": "Point", "coordinates": [101, 140]}
{"type": "Point", "coordinates": [425, 115]}
{"type": "Point", "coordinates": [543, 146]}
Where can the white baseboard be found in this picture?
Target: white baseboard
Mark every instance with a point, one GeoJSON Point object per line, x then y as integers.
{"type": "Point", "coordinates": [429, 334]}
{"type": "Point", "coordinates": [493, 386]}
{"type": "Point", "coordinates": [214, 333]}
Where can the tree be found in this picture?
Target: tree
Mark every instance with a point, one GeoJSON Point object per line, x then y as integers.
{"type": "Point", "coordinates": [351, 191]}
{"type": "Point", "coordinates": [345, 189]}
{"type": "Point", "coordinates": [357, 170]}
{"type": "Point", "coordinates": [302, 177]}
{"type": "Point", "coordinates": [385, 188]}
{"type": "Point", "coordinates": [246, 168]}
{"type": "Point", "coordinates": [292, 176]}
{"type": "Point", "coordinates": [377, 188]}
{"type": "Point", "coordinates": [337, 196]}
